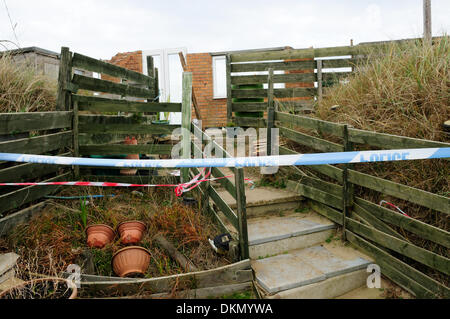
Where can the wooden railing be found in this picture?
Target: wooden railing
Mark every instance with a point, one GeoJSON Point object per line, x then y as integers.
{"type": "Point", "coordinates": [33, 133]}
{"type": "Point", "coordinates": [238, 218]}
{"type": "Point", "coordinates": [366, 224]}
{"type": "Point", "coordinates": [119, 91]}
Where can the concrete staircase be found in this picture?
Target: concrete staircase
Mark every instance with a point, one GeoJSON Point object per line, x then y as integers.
{"type": "Point", "coordinates": [7, 272]}
{"type": "Point", "coordinates": [295, 252]}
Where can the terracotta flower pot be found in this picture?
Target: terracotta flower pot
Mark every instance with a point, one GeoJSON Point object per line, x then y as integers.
{"type": "Point", "coordinates": [130, 141]}
{"type": "Point", "coordinates": [133, 260]}
{"type": "Point", "coordinates": [131, 232]}
{"type": "Point", "coordinates": [42, 288]}
{"type": "Point", "coordinates": [99, 235]}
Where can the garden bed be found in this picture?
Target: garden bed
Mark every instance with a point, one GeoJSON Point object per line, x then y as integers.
{"type": "Point", "coordinates": [55, 237]}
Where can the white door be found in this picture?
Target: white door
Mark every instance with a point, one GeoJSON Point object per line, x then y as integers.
{"type": "Point", "coordinates": [170, 74]}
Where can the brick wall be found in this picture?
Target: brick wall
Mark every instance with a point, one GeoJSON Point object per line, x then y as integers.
{"type": "Point", "coordinates": [212, 111]}
{"type": "Point", "coordinates": [128, 60]}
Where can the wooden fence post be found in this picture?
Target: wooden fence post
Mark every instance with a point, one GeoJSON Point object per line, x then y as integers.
{"type": "Point", "coordinates": [427, 35]}
{"type": "Point", "coordinates": [319, 80]}
{"type": "Point", "coordinates": [242, 213]}
{"type": "Point", "coordinates": [64, 78]}
{"type": "Point", "coordinates": [229, 99]}
{"type": "Point", "coordinates": [270, 112]}
{"type": "Point", "coordinates": [347, 196]}
{"type": "Point", "coordinates": [156, 99]}
{"type": "Point", "coordinates": [76, 152]}
{"type": "Point", "coordinates": [186, 123]}
{"type": "Point", "coordinates": [151, 73]}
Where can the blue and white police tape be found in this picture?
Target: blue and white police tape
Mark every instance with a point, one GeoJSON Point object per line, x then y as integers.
{"type": "Point", "coordinates": [259, 161]}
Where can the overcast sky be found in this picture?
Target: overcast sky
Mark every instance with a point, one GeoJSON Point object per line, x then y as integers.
{"type": "Point", "coordinates": [101, 28]}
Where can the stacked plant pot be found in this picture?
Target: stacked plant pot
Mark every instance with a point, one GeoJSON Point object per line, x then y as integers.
{"type": "Point", "coordinates": [131, 260]}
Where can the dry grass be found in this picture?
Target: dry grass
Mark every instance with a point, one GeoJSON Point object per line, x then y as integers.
{"type": "Point", "coordinates": [405, 91]}
{"type": "Point", "coordinates": [55, 238]}
{"type": "Point", "coordinates": [22, 89]}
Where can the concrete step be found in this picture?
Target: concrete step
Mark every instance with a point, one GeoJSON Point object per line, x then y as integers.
{"type": "Point", "coordinates": [7, 263]}
{"type": "Point", "coordinates": [11, 282]}
{"type": "Point", "coordinates": [265, 200]}
{"type": "Point", "coordinates": [317, 269]}
{"type": "Point", "coordinates": [273, 235]}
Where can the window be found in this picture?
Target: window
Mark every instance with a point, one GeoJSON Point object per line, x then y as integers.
{"type": "Point", "coordinates": [219, 77]}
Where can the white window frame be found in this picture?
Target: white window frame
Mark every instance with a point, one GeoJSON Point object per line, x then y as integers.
{"type": "Point", "coordinates": [215, 89]}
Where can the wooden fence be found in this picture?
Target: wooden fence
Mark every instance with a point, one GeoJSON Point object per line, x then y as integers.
{"type": "Point", "coordinates": [80, 128]}
{"type": "Point", "coordinates": [33, 133]}
{"type": "Point", "coordinates": [129, 94]}
{"type": "Point", "coordinates": [366, 224]}
{"type": "Point", "coordinates": [297, 70]}
{"type": "Point", "coordinates": [238, 219]}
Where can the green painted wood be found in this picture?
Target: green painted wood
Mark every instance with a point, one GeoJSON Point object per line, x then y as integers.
{"type": "Point", "coordinates": [186, 120]}
{"type": "Point", "coordinates": [95, 119]}
{"type": "Point", "coordinates": [64, 76]}
{"type": "Point", "coordinates": [38, 144]}
{"type": "Point", "coordinates": [383, 258]}
{"type": "Point", "coordinates": [224, 208]}
{"type": "Point", "coordinates": [388, 141]}
{"type": "Point", "coordinates": [310, 141]}
{"type": "Point", "coordinates": [225, 182]}
{"type": "Point", "coordinates": [414, 195]}
{"type": "Point", "coordinates": [12, 123]}
{"type": "Point", "coordinates": [27, 171]}
{"type": "Point", "coordinates": [326, 211]}
{"type": "Point", "coordinates": [113, 149]}
{"type": "Point", "coordinates": [135, 179]}
{"type": "Point", "coordinates": [340, 63]}
{"type": "Point", "coordinates": [412, 225]}
{"type": "Point", "coordinates": [374, 221]}
{"type": "Point", "coordinates": [249, 107]}
{"type": "Point", "coordinates": [98, 104]}
{"type": "Point", "coordinates": [294, 105]}
{"type": "Point", "coordinates": [229, 99]}
{"type": "Point", "coordinates": [291, 65]}
{"type": "Point", "coordinates": [127, 128]}
{"type": "Point", "coordinates": [8, 224]}
{"type": "Point", "coordinates": [29, 194]}
{"type": "Point", "coordinates": [335, 51]}
{"type": "Point", "coordinates": [270, 112]}
{"type": "Point", "coordinates": [277, 78]}
{"type": "Point", "coordinates": [328, 170]}
{"type": "Point", "coordinates": [316, 194]}
{"type": "Point", "coordinates": [419, 254]}
{"type": "Point", "coordinates": [287, 54]}
{"type": "Point", "coordinates": [242, 213]}
{"type": "Point", "coordinates": [250, 122]}
{"type": "Point", "coordinates": [331, 188]}
{"type": "Point", "coordinates": [94, 65]}
{"type": "Point", "coordinates": [310, 123]}
{"type": "Point", "coordinates": [75, 141]}
{"type": "Point", "coordinates": [334, 76]}
{"type": "Point", "coordinates": [97, 85]}
{"type": "Point", "coordinates": [279, 93]}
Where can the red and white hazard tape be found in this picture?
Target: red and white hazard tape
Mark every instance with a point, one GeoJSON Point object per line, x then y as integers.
{"type": "Point", "coordinates": [394, 206]}
{"type": "Point", "coordinates": [179, 188]}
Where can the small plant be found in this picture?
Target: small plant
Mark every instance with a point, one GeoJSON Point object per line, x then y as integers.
{"type": "Point", "coordinates": [83, 212]}
{"type": "Point", "coordinates": [302, 210]}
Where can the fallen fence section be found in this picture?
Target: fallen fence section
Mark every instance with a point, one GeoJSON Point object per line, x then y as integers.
{"type": "Point", "coordinates": [206, 283]}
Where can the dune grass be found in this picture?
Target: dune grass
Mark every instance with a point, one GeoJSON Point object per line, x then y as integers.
{"type": "Point", "coordinates": [22, 89]}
